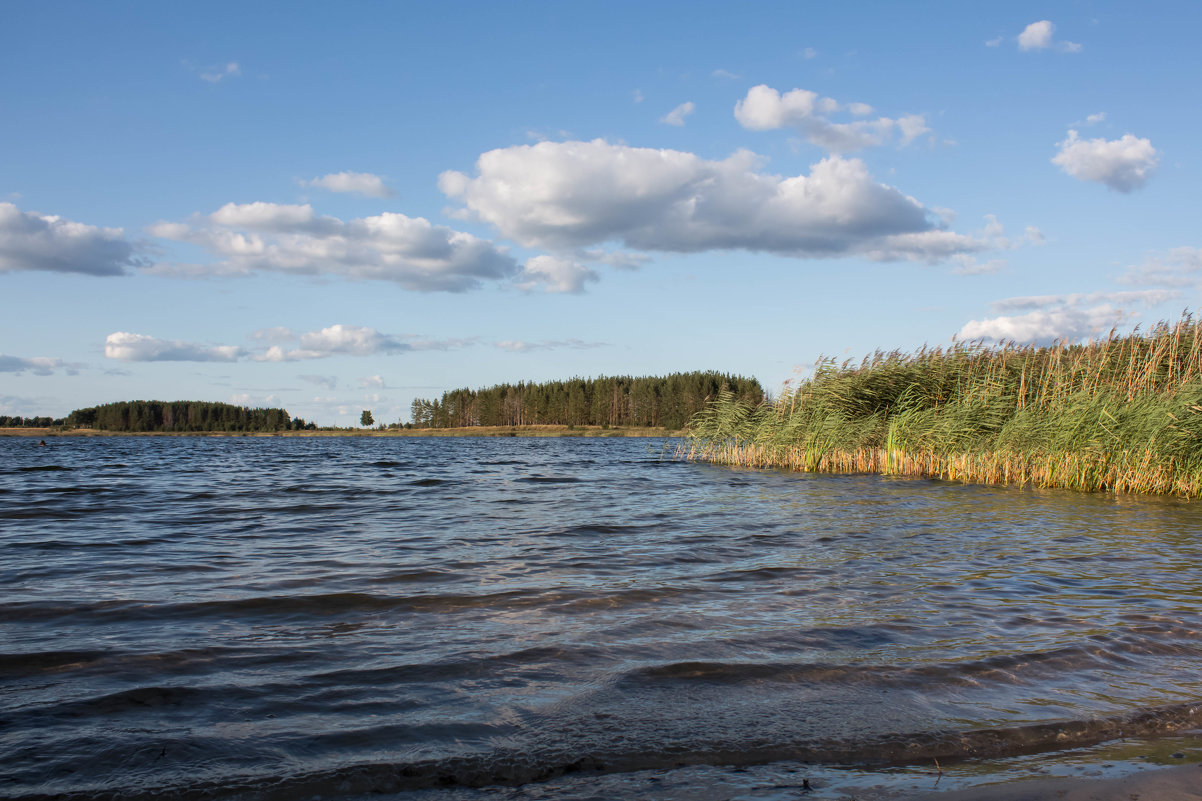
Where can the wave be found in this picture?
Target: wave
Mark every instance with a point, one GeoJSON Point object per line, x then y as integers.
{"type": "Point", "coordinates": [509, 766]}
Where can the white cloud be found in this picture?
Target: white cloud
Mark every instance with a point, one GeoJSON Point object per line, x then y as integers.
{"type": "Point", "coordinates": [31, 241]}
{"type": "Point", "coordinates": [328, 381]}
{"type": "Point", "coordinates": [637, 96]}
{"type": "Point", "coordinates": [568, 195]}
{"type": "Point", "coordinates": [38, 365]}
{"type": "Point", "coordinates": [995, 41]}
{"type": "Point", "coordinates": [275, 217]}
{"type": "Point", "coordinates": [351, 340]}
{"type": "Point", "coordinates": [270, 237]}
{"type": "Point", "coordinates": [371, 382]}
{"type": "Point", "coordinates": [1123, 164]}
{"type": "Point", "coordinates": [766, 109]}
{"type": "Point", "coordinates": [356, 183]}
{"type": "Point", "coordinates": [1039, 36]}
{"type": "Point", "coordinates": [128, 347]}
{"type": "Point", "coordinates": [520, 346]}
{"type": "Point", "coordinates": [724, 74]}
{"type": "Point", "coordinates": [219, 73]}
{"type": "Point", "coordinates": [345, 340]}
{"type": "Point", "coordinates": [556, 274]}
{"type": "Point", "coordinates": [809, 53]}
{"type": "Point", "coordinates": [676, 116]}
{"type": "Point", "coordinates": [1045, 319]}
{"type": "Point", "coordinates": [968, 265]}
{"type": "Point", "coordinates": [1094, 119]}
{"type": "Point", "coordinates": [1036, 36]}
{"type": "Point", "coordinates": [616, 259]}
{"type": "Point", "coordinates": [273, 335]}
{"type": "Point", "coordinates": [1179, 267]}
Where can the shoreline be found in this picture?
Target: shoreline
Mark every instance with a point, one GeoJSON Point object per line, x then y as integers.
{"type": "Point", "coordinates": [1174, 783]}
{"type": "Point", "coordinates": [468, 431]}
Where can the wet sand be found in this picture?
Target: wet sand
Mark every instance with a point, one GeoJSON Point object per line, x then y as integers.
{"type": "Point", "coordinates": [1182, 783]}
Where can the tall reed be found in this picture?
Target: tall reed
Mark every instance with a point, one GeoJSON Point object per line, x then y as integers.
{"type": "Point", "coordinates": [1123, 414]}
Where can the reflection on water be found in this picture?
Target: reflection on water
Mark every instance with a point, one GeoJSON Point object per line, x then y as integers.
{"type": "Point", "coordinates": [269, 617]}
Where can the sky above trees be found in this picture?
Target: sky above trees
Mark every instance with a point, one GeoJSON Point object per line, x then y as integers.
{"type": "Point", "coordinates": [332, 208]}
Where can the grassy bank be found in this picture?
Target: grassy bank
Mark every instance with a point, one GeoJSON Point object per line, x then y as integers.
{"type": "Point", "coordinates": [468, 431]}
{"type": "Point", "coordinates": [1122, 414]}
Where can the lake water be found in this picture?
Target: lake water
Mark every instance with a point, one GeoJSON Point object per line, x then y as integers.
{"type": "Point", "coordinates": [279, 618]}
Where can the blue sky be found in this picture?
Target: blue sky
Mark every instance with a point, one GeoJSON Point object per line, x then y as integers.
{"type": "Point", "coordinates": [337, 207]}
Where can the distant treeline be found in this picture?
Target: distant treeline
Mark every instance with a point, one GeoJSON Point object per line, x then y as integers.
{"type": "Point", "coordinates": [651, 401]}
{"type": "Point", "coordinates": [183, 416]}
{"type": "Point", "coordinates": [29, 422]}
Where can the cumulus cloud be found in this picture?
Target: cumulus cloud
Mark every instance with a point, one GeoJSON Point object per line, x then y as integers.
{"type": "Point", "coordinates": [38, 365]}
{"type": "Point", "coordinates": [1094, 119]}
{"type": "Point", "coordinates": [355, 183]}
{"type": "Point", "coordinates": [31, 241]}
{"type": "Point", "coordinates": [564, 196]}
{"type": "Point", "coordinates": [1039, 36]}
{"type": "Point", "coordinates": [1044, 319]}
{"type": "Point", "coordinates": [128, 347]}
{"type": "Point", "coordinates": [346, 340]}
{"type": "Point", "coordinates": [556, 274]}
{"type": "Point", "coordinates": [676, 116]}
{"type": "Point", "coordinates": [1123, 165]}
{"type": "Point", "coordinates": [372, 382]}
{"type": "Point", "coordinates": [270, 237]}
{"type": "Point", "coordinates": [520, 346]}
{"type": "Point", "coordinates": [766, 109]}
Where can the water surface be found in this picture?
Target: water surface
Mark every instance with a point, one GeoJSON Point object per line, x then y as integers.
{"type": "Point", "coordinates": [270, 618]}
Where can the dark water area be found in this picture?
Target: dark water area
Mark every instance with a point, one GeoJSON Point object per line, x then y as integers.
{"type": "Point", "coordinates": [278, 618]}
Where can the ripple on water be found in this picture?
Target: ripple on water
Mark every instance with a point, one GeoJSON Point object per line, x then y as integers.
{"type": "Point", "coordinates": [286, 617]}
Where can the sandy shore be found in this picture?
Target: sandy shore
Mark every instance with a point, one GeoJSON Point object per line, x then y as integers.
{"type": "Point", "coordinates": [1153, 784]}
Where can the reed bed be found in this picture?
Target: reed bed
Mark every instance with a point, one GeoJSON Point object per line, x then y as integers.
{"type": "Point", "coordinates": [1121, 414]}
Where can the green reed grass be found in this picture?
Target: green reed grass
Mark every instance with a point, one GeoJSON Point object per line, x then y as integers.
{"type": "Point", "coordinates": [1122, 414]}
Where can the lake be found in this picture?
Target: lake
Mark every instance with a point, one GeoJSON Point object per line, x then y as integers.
{"type": "Point", "coordinates": [278, 618]}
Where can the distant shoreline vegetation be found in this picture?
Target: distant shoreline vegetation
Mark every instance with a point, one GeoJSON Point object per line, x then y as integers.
{"type": "Point", "coordinates": [1122, 414]}
{"type": "Point", "coordinates": [667, 402]}
{"type": "Point", "coordinates": [182, 417]}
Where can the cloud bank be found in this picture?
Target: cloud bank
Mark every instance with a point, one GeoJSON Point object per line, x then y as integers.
{"type": "Point", "coordinates": [31, 241]}
{"type": "Point", "coordinates": [563, 196]}
{"type": "Point", "coordinates": [1123, 165]}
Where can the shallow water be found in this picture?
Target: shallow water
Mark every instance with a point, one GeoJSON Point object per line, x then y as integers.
{"type": "Point", "coordinates": [284, 617]}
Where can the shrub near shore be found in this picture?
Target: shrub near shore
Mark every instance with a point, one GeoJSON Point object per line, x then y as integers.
{"type": "Point", "coordinates": [1121, 414]}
